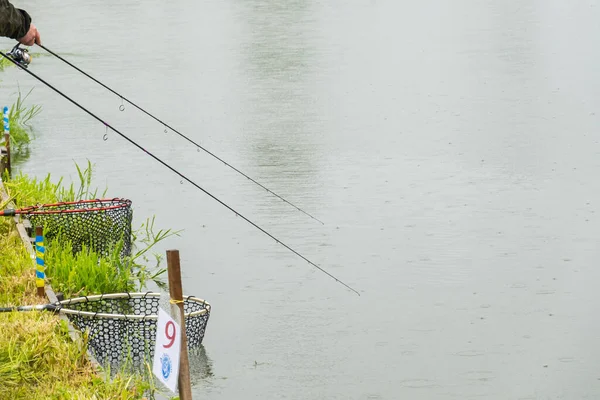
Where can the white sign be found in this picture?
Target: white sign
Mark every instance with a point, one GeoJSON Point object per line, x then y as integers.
{"type": "Point", "coordinates": [167, 350]}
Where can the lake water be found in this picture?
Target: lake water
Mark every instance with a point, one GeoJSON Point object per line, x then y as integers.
{"type": "Point", "coordinates": [450, 148]}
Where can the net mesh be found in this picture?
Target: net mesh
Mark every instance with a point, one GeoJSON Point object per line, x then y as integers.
{"type": "Point", "coordinates": [120, 337]}
{"type": "Point", "coordinates": [97, 224]}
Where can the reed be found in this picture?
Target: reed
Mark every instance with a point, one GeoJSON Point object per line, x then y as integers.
{"type": "Point", "coordinates": [21, 132]}
{"type": "Point", "coordinates": [27, 191]}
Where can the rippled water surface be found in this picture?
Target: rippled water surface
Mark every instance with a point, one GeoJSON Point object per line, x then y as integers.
{"type": "Point", "coordinates": [450, 148]}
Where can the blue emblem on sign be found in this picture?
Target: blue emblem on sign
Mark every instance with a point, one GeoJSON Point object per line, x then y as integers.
{"type": "Point", "coordinates": [165, 362]}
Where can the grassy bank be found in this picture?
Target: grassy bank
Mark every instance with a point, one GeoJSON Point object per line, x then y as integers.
{"type": "Point", "coordinates": [38, 359]}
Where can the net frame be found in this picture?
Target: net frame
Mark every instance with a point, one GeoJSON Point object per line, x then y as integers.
{"type": "Point", "coordinates": [115, 212]}
{"type": "Point", "coordinates": [125, 295]}
{"type": "Point", "coordinates": [130, 338]}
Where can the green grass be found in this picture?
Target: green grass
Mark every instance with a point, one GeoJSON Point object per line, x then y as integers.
{"type": "Point", "coordinates": [28, 191]}
{"type": "Point", "coordinates": [20, 117]}
{"type": "Point", "coordinates": [37, 358]}
{"type": "Point", "coordinates": [85, 272]}
{"type": "Point", "coordinates": [17, 283]}
{"type": "Point", "coordinates": [5, 62]}
{"type": "Point", "coordinates": [21, 133]}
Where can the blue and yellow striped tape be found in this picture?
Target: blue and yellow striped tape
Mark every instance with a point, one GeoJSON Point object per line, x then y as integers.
{"type": "Point", "coordinates": [40, 270]}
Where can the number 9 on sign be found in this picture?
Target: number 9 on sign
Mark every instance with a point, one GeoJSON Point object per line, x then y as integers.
{"type": "Point", "coordinates": [167, 350]}
{"type": "Point", "coordinates": [170, 334]}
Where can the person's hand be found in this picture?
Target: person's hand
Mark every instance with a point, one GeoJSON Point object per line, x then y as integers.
{"type": "Point", "coordinates": [31, 37]}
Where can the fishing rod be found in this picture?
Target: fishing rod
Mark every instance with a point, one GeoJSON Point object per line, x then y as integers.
{"type": "Point", "coordinates": [122, 107]}
{"type": "Point", "coordinates": [19, 62]}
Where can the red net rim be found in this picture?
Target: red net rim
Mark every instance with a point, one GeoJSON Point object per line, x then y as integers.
{"type": "Point", "coordinates": [38, 210]}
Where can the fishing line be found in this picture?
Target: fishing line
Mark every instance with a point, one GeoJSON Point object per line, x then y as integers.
{"type": "Point", "coordinates": [122, 108]}
{"type": "Point", "coordinates": [24, 68]}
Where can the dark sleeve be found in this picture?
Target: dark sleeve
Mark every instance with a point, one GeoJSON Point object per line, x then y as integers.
{"type": "Point", "coordinates": [14, 22]}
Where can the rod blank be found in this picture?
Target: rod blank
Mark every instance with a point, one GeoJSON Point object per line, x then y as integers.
{"type": "Point", "coordinates": [108, 126]}
{"type": "Point", "coordinates": [177, 132]}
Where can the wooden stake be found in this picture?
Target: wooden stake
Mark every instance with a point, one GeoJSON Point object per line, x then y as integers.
{"type": "Point", "coordinates": [7, 145]}
{"type": "Point", "coordinates": [6, 124]}
{"type": "Point", "coordinates": [2, 162]}
{"type": "Point", "coordinates": [5, 155]}
{"type": "Point", "coordinates": [40, 268]}
{"type": "Point", "coordinates": [176, 292]}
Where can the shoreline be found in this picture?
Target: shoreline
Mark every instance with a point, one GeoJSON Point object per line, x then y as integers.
{"type": "Point", "coordinates": [83, 376]}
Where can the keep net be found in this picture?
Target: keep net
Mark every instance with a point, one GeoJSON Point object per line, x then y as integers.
{"type": "Point", "coordinates": [121, 327]}
{"type": "Point", "coordinates": [98, 224]}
